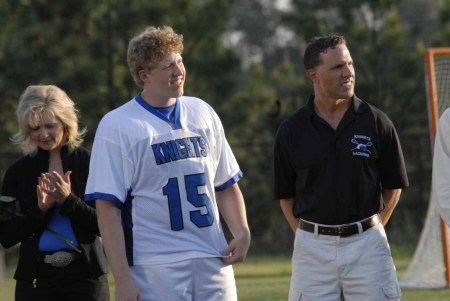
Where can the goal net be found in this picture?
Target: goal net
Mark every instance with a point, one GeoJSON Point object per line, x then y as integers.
{"type": "Point", "coordinates": [429, 267]}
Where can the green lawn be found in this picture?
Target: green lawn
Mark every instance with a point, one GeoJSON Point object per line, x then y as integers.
{"type": "Point", "coordinates": [267, 279]}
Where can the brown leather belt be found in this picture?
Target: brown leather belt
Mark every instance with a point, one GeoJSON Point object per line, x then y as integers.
{"type": "Point", "coordinates": [341, 230]}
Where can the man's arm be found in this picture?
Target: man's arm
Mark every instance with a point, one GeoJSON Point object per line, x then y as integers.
{"type": "Point", "coordinates": [110, 225]}
{"type": "Point", "coordinates": [390, 198]}
{"type": "Point", "coordinates": [286, 206]}
{"type": "Point", "coordinates": [232, 207]}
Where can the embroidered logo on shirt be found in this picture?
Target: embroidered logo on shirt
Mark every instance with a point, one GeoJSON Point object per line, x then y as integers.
{"type": "Point", "coordinates": [363, 143]}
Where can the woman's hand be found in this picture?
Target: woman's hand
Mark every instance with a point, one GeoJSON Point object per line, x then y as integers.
{"type": "Point", "coordinates": [56, 186]}
{"type": "Point", "coordinates": [45, 200]}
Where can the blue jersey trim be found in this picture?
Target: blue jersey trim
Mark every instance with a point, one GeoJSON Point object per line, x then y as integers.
{"type": "Point", "coordinates": [230, 182]}
{"type": "Point", "coordinates": [127, 218]}
{"type": "Point", "coordinates": [176, 125]}
{"type": "Point", "coordinates": [127, 225]}
{"type": "Point", "coordinates": [102, 196]}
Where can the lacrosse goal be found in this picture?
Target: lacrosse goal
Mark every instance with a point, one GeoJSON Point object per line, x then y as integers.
{"type": "Point", "coordinates": [429, 267]}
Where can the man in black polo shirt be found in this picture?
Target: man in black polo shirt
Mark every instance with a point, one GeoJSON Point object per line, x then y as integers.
{"type": "Point", "coordinates": [339, 171]}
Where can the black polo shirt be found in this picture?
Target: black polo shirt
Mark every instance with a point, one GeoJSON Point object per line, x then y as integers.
{"type": "Point", "coordinates": [337, 176]}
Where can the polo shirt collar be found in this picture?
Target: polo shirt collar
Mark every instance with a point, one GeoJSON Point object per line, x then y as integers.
{"type": "Point", "coordinates": [357, 104]}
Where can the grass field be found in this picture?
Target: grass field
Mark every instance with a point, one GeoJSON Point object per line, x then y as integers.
{"type": "Point", "coordinates": [267, 279]}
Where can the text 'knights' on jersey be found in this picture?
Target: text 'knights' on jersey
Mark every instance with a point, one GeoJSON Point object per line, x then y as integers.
{"type": "Point", "coordinates": [178, 149]}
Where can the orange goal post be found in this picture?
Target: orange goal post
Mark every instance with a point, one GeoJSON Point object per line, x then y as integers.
{"type": "Point", "coordinates": [430, 265]}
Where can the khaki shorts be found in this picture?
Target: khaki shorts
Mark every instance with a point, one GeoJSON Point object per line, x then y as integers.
{"type": "Point", "coordinates": [353, 268]}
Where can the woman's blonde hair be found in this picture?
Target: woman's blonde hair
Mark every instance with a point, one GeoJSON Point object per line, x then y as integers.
{"type": "Point", "coordinates": [37, 100]}
{"type": "Point", "coordinates": [148, 48]}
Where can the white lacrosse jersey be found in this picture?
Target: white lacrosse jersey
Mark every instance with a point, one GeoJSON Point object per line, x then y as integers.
{"type": "Point", "coordinates": [164, 176]}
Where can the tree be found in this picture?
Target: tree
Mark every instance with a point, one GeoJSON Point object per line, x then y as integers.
{"type": "Point", "coordinates": [83, 51]}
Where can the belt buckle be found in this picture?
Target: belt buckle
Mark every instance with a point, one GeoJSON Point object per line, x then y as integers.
{"type": "Point", "coordinates": [59, 259]}
{"type": "Point", "coordinates": [343, 230]}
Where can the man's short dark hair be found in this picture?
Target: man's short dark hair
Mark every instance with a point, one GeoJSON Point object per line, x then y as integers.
{"type": "Point", "coordinates": [319, 45]}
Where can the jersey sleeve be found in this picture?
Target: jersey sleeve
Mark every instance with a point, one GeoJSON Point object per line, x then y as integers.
{"type": "Point", "coordinates": [228, 171]}
{"type": "Point", "coordinates": [110, 169]}
{"type": "Point", "coordinates": [441, 167]}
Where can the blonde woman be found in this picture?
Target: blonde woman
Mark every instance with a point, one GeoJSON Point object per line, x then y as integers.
{"type": "Point", "coordinates": [61, 255]}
